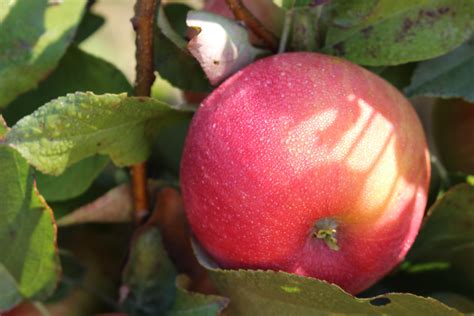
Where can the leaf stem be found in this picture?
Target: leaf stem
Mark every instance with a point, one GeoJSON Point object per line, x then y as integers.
{"type": "Point", "coordinates": [443, 173]}
{"type": "Point", "coordinates": [243, 14]}
{"type": "Point", "coordinates": [143, 23]}
{"type": "Point", "coordinates": [286, 31]}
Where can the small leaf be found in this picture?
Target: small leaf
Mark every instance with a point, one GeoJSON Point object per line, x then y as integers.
{"type": "Point", "coordinates": [149, 277]}
{"type": "Point", "coordinates": [73, 182]}
{"type": "Point", "coordinates": [176, 16]}
{"type": "Point", "coordinates": [30, 51]}
{"type": "Point", "coordinates": [449, 227]}
{"type": "Point", "coordinates": [222, 46]}
{"type": "Point", "coordinates": [116, 206]}
{"type": "Point", "coordinates": [151, 285]}
{"type": "Point", "coordinates": [399, 76]}
{"type": "Point", "coordinates": [80, 125]}
{"type": "Point", "coordinates": [257, 292]}
{"type": "Point", "coordinates": [448, 76]}
{"type": "Point", "coordinates": [391, 33]}
{"type": "Point", "coordinates": [173, 61]}
{"type": "Point", "coordinates": [29, 264]}
{"type": "Point", "coordinates": [90, 23]}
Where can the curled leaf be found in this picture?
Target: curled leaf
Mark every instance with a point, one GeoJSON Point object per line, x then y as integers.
{"type": "Point", "coordinates": [222, 46]}
{"type": "Point", "coordinates": [116, 206]}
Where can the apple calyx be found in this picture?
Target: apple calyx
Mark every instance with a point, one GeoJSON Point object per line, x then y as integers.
{"type": "Point", "coordinates": [326, 229]}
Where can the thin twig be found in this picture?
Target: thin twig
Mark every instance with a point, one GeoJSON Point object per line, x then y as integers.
{"type": "Point", "coordinates": [143, 22]}
{"type": "Point", "coordinates": [243, 14]}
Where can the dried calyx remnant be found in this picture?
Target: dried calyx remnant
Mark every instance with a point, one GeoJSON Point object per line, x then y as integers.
{"type": "Point", "coordinates": [326, 229]}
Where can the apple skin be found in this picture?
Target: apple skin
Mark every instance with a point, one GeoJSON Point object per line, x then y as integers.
{"type": "Point", "coordinates": [453, 122]}
{"type": "Point", "coordinates": [297, 140]}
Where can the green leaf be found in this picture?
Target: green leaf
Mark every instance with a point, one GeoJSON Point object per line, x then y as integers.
{"type": "Point", "coordinates": [173, 61]}
{"type": "Point", "coordinates": [90, 23]}
{"type": "Point", "coordinates": [346, 14]}
{"type": "Point", "coordinates": [73, 182]}
{"type": "Point", "coordinates": [397, 32]}
{"type": "Point", "coordinates": [257, 292]}
{"type": "Point", "coordinates": [176, 15]}
{"type": "Point", "coordinates": [33, 37]}
{"type": "Point", "coordinates": [29, 264]}
{"type": "Point", "coordinates": [399, 76]}
{"type": "Point", "coordinates": [149, 276]}
{"type": "Point", "coordinates": [461, 303]}
{"type": "Point", "coordinates": [449, 227]}
{"type": "Point", "coordinates": [77, 71]}
{"type": "Point", "coordinates": [448, 76]}
{"type": "Point", "coordinates": [151, 285]}
{"type": "Point", "coordinates": [196, 304]}
{"type": "Point", "coordinates": [168, 147]}
{"type": "Point", "coordinates": [80, 125]}
{"type": "Point", "coordinates": [446, 244]}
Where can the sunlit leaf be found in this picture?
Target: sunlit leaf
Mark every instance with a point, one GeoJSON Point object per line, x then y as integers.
{"type": "Point", "coordinates": [80, 125]}
{"type": "Point", "coordinates": [257, 292]}
{"type": "Point", "coordinates": [379, 33]}
{"type": "Point", "coordinates": [29, 264]}
{"type": "Point", "coordinates": [33, 37]}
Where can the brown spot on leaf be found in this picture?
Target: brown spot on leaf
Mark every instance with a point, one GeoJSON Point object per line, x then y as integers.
{"type": "Point", "coordinates": [407, 25]}
{"type": "Point", "coordinates": [425, 16]}
{"type": "Point", "coordinates": [443, 10]}
{"type": "Point", "coordinates": [433, 14]}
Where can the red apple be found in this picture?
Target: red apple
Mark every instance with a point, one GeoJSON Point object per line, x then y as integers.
{"type": "Point", "coordinates": [309, 164]}
{"type": "Point", "coordinates": [453, 122]}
